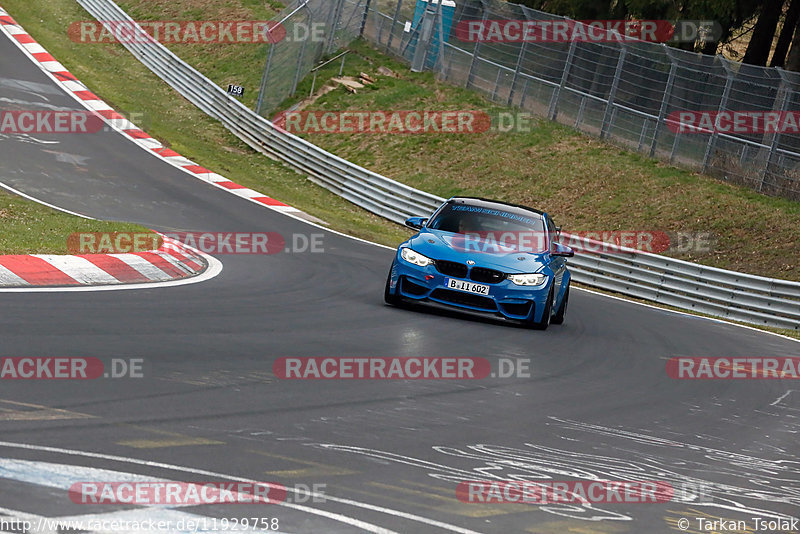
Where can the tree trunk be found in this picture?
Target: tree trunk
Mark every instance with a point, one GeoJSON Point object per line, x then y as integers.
{"type": "Point", "coordinates": [785, 39]}
{"type": "Point", "coordinates": [761, 40]}
{"type": "Point", "coordinates": [793, 61]}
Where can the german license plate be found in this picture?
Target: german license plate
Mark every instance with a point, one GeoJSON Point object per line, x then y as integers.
{"type": "Point", "coordinates": [468, 287]}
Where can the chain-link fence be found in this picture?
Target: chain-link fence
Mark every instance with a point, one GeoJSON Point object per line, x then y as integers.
{"type": "Point", "coordinates": [627, 92]}
{"type": "Point", "coordinates": [307, 30]}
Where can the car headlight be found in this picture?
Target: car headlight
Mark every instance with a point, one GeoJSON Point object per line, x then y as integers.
{"type": "Point", "coordinates": [415, 257]}
{"type": "Point", "coordinates": [528, 279]}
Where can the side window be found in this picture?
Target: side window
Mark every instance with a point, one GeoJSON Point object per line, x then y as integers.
{"type": "Point", "coordinates": [551, 229]}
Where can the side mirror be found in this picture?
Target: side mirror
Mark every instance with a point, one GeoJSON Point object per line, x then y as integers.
{"type": "Point", "coordinates": [562, 250]}
{"type": "Point", "coordinates": [416, 222]}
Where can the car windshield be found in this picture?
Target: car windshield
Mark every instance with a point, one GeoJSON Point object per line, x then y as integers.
{"type": "Point", "coordinates": [515, 229]}
{"type": "Point", "coordinates": [463, 218]}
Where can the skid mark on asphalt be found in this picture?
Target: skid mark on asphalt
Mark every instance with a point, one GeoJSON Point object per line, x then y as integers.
{"type": "Point", "coordinates": [22, 411]}
{"type": "Point", "coordinates": [451, 504]}
{"type": "Point", "coordinates": [571, 527]}
{"type": "Point", "coordinates": [316, 469]}
{"type": "Point", "coordinates": [358, 523]}
{"type": "Point", "coordinates": [219, 378]}
{"type": "Point", "coordinates": [170, 439]}
{"type": "Point", "coordinates": [421, 499]}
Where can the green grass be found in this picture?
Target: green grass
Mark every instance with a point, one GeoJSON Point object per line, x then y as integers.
{"type": "Point", "coordinates": [31, 228]}
{"type": "Point", "coordinates": [123, 82]}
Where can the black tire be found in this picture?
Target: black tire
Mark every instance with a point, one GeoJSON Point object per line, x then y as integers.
{"type": "Point", "coordinates": [558, 318]}
{"type": "Point", "coordinates": [388, 297]}
{"type": "Point", "coordinates": [546, 316]}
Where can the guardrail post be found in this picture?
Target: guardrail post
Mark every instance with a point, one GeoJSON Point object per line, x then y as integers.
{"type": "Point", "coordinates": [784, 97]}
{"type": "Point", "coordinates": [662, 112]}
{"type": "Point", "coordinates": [723, 103]}
{"type": "Point", "coordinates": [612, 94]}
{"type": "Point", "coordinates": [394, 22]}
{"type": "Point", "coordinates": [553, 111]}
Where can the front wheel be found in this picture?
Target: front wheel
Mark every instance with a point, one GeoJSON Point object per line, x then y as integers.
{"type": "Point", "coordinates": [389, 297]}
{"type": "Point", "coordinates": [558, 318]}
{"type": "Point", "coordinates": [548, 312]}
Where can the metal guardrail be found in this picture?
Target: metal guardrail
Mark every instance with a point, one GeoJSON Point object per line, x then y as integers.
{"type": "Point", "coordinates": [685, 285]}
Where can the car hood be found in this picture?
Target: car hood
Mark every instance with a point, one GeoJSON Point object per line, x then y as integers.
{"type": "Point", "coordinates": [439, 245]}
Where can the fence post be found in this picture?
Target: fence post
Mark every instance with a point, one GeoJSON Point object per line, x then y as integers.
{"type": "Point", "coordinates": [784, 97]}
{"type": "Point", "coordinates": [662, 112]}
{"type": "Point", "coordinates": [333, 23]}
{"type": "Point", "coordinates": [516, 72]}
{"type": "Point", "coordinates": [394, 22]}
{"type": "Point", "coordinates": [426, 33]}
{"type": "Point", "coordinates": [612, 94]}
{"type": "Point", "coordinates": [553, 111]}
{"type": "Point", "coordinates": [723, 103]}
{"type": "Point", "coordinates": [364, 20]}
{"type": "Point", "coordinates": [299, 69]}
{"type": "Point", "coordinates": [265, 77]}
{"type": "Point", "coordinates": [476, 50]}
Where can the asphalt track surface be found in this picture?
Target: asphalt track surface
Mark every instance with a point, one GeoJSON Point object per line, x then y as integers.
{"type": "Point", "coordinates": [598, 402]}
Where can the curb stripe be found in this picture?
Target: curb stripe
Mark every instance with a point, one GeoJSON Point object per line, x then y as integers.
{"type": "Point", "coordinates": [161, 263]}
{"type": "Point", "coordinates": [143, 267]}
{"type": "Point", "coordinates": [36, 271]}
{"type": "Point", "coordinates": [7, 277]}
{"type": "Point", "coordinates": [79, 269]}
{"type": "Point", "coordinates": [270, 201]}
{"type": "Point", "coordinates": [116, 268]}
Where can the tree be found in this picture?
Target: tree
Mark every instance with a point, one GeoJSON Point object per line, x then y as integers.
{"type": "Point", "coordinates": [785, 38]}
{"type": "Point", "coordinates": [764, 32]}
{"type": "Point", "coordinates": [793, 61]}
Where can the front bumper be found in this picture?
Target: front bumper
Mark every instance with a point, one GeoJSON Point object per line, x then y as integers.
{"type": "Point", "coordinates": [505, 299]}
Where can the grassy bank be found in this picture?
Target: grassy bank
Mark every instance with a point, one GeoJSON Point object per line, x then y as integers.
{"type": "Point", "coordinates": [31, 228]}
{"type": "Point", "coordinates": [125, 84]}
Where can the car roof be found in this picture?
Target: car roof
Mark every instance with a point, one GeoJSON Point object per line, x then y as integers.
{"type": "Point", "coordinates": [486, 203]}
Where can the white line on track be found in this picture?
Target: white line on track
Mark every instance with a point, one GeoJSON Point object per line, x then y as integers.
{"type": "Point", "coordinates": [337, 517]}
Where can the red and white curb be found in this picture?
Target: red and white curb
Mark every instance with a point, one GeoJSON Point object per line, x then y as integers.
{"type": "Point", "coordinates": [173, 261]}
{"type": "Point", "coordinates": [92, 102]}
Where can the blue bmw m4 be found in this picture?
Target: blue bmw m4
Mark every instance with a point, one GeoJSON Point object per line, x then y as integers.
{"type": "Point", "coordinates": [487, 257]}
